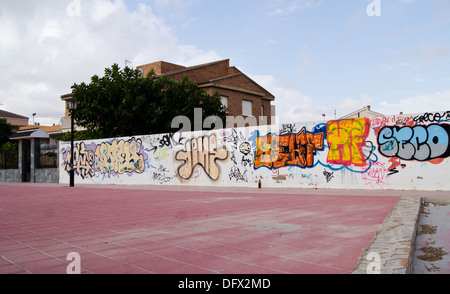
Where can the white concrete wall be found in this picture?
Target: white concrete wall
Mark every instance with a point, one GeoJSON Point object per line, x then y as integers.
{"type": "Point", "coordinates": [405, 152]}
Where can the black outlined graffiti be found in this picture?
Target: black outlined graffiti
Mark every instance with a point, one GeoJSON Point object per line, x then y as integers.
{"type": "Point", "coordinates": [246, 161]}
{"type": "Point", "coordinates": [432, 117]}
{"type": "Point", "coordinates": [169, 140]}
{"type": "Point", "coordinates": [328, 175]}
{"type": "Point", "coordinates": [236, 174]}
{"type": "Point", "coordinates": [421, 143]}
{"type": "Point", "coordinates": [161, 175]}
{"type": "Point", "coordinates": [245, 148]}
{"type": "Point", "coordinates": [287, 128]}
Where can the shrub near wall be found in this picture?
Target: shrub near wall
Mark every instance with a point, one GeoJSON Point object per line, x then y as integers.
{"type": "Point", "coordinates": [407, 152]}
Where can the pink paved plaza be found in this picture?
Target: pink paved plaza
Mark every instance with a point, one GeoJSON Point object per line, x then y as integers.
{"type": "Point", "coordinates": [119, 230]}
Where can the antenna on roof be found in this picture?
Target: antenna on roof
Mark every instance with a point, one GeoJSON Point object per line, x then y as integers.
{"type": "Point", "coordinates": [127, 62]}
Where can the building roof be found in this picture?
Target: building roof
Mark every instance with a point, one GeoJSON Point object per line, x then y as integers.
{"type": "Point", "coordinates": [363, 112]}
{"type": "Point", "coordinates": [7, 114]}
{"type": "Point", "coordinates": [30, 134]}
{"type": "Point", "coordinates": [167, 68]}
{"type": "Point", "coordinates": [209, 77]}
{"type": "Point", "coordinates": [47, 129]}
{"type": "Point", "coordinates": [66, 96]}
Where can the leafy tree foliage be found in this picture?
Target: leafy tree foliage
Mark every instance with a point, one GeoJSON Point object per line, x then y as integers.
{"type": "Point", "coordinates": [124, 103]}
{"type": "Point", "coordinates": [6, 131]}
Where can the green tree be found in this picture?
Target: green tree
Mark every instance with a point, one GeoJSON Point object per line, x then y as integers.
{"type": "Point", "coordinates": [6, 131]}
{"type": "Point", "coordinates": [124, 103]}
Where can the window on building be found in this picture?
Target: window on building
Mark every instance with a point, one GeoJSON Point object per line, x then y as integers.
{"type": "Point", "coordinates": [247, 108]}
{"type": "Point", "coordinates": [262, 110]}
{"type": "Point", "coordinates": [224, 101]}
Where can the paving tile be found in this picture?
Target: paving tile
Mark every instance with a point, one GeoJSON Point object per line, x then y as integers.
{"type": "Point", "coordinates": [12, 269]}
{"type": "Point", "coordinates": [248, 269]}
{"type": "Point", "coordinates": [125, 231]}
{"type": "Point", "coordinates": [161, 265]}
{"type": "Point", "coordinates": [50, 270]}
{"type": "Point", "coordinates": [31, 257]}
{"type": "Point", "coordinates": [39, 266]}
{"type": "Point", "coordinates": [13, 253]}
{"type": "Point", "coordinates": [118, 269]}
{"type": "Point", "coordinates": [117, 251]}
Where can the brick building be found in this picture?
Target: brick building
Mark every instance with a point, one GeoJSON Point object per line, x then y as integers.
{"type": "Point", "coordinates": [240, 94]}
{"type": "Point", "coordinates": [15, 120]}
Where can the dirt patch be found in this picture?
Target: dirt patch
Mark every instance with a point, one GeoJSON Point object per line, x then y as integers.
{"type": "Point", "coordinates": [428, 229]}
{"type": "Point", "coordinates": [432, 253]}
{"type": "Point", "coordinates": [422, 209]}
{"type": "Point", "coordinates": [432, 268]}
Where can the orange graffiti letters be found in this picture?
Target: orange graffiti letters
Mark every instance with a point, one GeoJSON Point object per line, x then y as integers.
{"type": "Point", "coordinates": [276, 151]}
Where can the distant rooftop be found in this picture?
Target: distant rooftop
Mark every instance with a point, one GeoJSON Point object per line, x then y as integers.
{"type": "Point", "coordinates": [363, 112]}
{"type": "Point", "coordinates": [7, 114]}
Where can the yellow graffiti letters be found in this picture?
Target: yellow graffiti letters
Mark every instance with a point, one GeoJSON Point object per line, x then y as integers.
{"type": "Point", "coordinates": [119, 157]}
{"type": "Point", "coordinates": [346, 138]}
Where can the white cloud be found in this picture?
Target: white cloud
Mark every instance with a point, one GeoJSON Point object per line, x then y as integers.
{"type": "Point", "coordinates": [291, 104]}
{"type": "Point", "coordinates": [426, 51]}
{"type": "Point", "coordinates": [102, 9]}
{"type": "Point", "coordinates": [439, 101]}
{"type": "Point", "coordinates": [419, 80]}
{"type": "Point", "coordinates": [294, 106]}
{"type": "Point", "coordinates": [45, 50]}
{"type": "Point", "coordinates": [291, 6]}
{"type": "Point", "coordinates": [51, 29]}
{"type": "Point", "coordinates": [306, 62]}
{"type": "Point", "coordinates": [269, 42]}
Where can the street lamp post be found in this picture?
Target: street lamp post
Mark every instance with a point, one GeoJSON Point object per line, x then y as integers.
{"type": "Point", "coordinates": [72, 105]}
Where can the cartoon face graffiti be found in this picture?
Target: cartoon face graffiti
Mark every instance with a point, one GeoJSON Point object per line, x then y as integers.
{"type": "Point", "coordinates": [245, 148]}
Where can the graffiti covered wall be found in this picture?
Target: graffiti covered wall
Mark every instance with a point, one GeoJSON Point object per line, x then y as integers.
{"type": "Point", "coordinates": [405, 152]}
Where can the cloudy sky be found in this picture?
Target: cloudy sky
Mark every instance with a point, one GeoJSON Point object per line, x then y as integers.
{"type": "Point", "coordinates": [316, 56]}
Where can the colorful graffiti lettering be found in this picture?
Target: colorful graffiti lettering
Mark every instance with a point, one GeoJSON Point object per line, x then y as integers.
{"type": "Point", "coordinates": [386, 152]}
{"type": "Point", "coordinates": [346, 138]}
{"type": "Point", "coordinates": [276, 151]}
{"type": "Point", "coordinates": [83, 160]}
{"type": "Point", "coordinates": [201, 151]}
{"type": "Point", "coordinates": [119, 157]}
{"type": "Point", "coordinates": [108, 158]}
{"type": "Point", "coordinates": [421, 143]}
